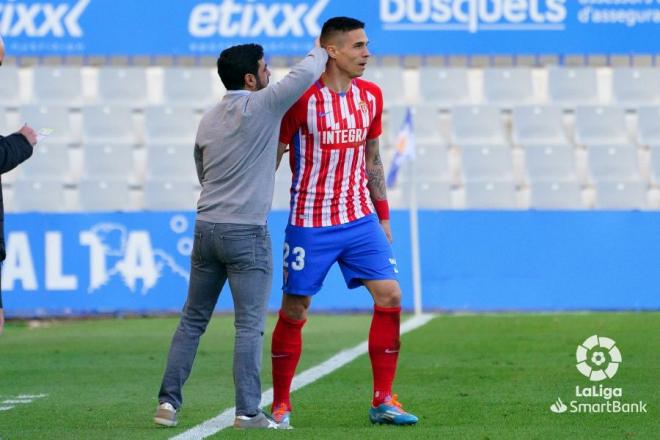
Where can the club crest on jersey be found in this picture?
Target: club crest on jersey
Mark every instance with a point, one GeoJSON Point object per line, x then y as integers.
{"type": "Point", "coordinates": [364, 108]}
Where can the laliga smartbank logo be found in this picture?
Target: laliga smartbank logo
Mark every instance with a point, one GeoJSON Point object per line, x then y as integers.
{"type": "Point", "coordinates": [598, 359]}
{"type": "Point", "coordinates": [473, 15]}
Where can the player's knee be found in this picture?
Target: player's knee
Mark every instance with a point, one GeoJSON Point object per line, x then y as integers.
{"type": "Point", "coordinates": [388, 296]}
{"type": "Point", "coordinates": [295, 307]}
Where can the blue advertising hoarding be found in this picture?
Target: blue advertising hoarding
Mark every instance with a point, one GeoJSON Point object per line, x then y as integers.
{"type": "Point", "coordinates": [73, 264]}
{"type": "Point", "coordinates": [288, 27]}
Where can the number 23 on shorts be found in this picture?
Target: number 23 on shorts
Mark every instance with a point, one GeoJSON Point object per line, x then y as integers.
{"type": "Point", "coordinates": [298, 256]}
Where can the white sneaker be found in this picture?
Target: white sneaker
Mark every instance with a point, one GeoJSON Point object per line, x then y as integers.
{"type": "Point", "coordinates": [260, 421]}
{"type": "Point", "coordinates": [165, 414]}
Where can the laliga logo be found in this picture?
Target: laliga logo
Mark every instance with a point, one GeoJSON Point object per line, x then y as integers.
{"type": "Point", "coordinates": [41, 19]}
{"type": "Point", "coordinates": [231, 18]}
{"type": "Point", "coordinates": [598, 358]}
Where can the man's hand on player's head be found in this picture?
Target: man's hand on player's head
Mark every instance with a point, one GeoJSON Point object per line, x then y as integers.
{"type": "Point", "coordinates": [385, 224]}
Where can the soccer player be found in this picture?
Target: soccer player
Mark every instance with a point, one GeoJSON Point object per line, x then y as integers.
{"type": "Point", "coordinates": [338, 182]}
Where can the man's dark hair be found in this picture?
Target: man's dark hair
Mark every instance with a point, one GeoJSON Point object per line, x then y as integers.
{"type": "Point", "coordinates": [236, 61]}
{"type": "Point", "coordinates": [338, 24]}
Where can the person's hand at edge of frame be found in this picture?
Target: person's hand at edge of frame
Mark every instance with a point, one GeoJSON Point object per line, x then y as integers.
{"type": "Point", "coordinates": [29, 134]}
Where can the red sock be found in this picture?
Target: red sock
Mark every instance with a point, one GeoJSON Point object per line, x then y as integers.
{"type": "Point", "coordinates": [384, 350]}
{"type": "Point", "coordinates": [285, 353]}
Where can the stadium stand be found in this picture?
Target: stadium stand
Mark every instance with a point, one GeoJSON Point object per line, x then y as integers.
{"type": "Point", "coordinates": [507, 88]}
{"type": "Point", "coordinates": [10, 87]}
{"type": "Point", "coordinates": [571, 87]}
{"type": "Point", "coordinates": [55, 85]}
{"type": "Point", "coordinates": [124, 86]}
{"type": "Point", "coordinates": [166, 194]}
{"type": "Point", "coordinates": [104, 194]}
{"type": "Point", "coordinates": [635, 87]}
{"type": "Point", "coordinates": [621, 194]}
{"type": "Point", "coordinates": [556, 194]}
{"type": "Point", "coordinates": [525, 136]}
{"type": "Point", "coordinates": [444, 87]}
{"type": "Point", "coordinates": [192, 86]}
{"type": "Point", "coordinates": [109, 124]}
{"type": "Point", "coordinates": [490, 194]}
{"type": "Point", "coordinates": [109, 161]}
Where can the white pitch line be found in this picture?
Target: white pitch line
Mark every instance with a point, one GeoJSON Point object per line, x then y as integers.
{"type": "Point", "coordinates": [226, 418]}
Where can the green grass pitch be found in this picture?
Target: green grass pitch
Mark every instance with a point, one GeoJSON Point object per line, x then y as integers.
{"type": "Point", "coordinates": [466, 377]}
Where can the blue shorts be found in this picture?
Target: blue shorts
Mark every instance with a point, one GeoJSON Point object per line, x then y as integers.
{"type": "Point", "coordinates": [360, 247]}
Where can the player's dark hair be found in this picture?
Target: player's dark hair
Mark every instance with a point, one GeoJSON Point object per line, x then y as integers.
{"type": "Point", "coordinates": [236, 61]}
{"type": "Point", "coordinates": [335, 25]}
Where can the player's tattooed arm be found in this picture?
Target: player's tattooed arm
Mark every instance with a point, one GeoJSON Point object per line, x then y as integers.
{"type": "Point", "coordinates": [375, 171]}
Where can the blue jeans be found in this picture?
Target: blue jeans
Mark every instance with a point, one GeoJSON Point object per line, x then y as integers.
{"type": "Point", "coordinates": [243, 255]}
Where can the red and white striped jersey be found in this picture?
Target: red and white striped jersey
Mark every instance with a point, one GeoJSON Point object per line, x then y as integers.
{"type": "Point", "coordinates": [327, 134]}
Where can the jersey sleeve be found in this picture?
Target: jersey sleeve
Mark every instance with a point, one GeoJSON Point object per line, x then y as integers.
{"type": "Point", "coordinates": [290, 123]}
{"type": "Point", "coordinates": [376, 127]}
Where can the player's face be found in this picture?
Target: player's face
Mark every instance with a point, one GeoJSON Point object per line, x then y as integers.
{"type": "Point", "coordinates": [263, 75]}
{"type": "Point", "coordinates": [352, 53]}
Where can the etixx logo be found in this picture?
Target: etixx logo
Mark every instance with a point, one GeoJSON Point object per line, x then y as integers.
{"type": "Point", "coordinates": [598, 358]}
{"type": "Point", "coordinates": [32, 19]}
{"type": "Point", "coordinates": [234, 18]}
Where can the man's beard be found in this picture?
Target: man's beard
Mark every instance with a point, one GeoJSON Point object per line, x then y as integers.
{"type": "Point", "coordinates": [261, 85]}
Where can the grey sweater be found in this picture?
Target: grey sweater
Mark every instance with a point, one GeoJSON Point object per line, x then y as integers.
{"type": "Point", "coordinates": [236, 146]}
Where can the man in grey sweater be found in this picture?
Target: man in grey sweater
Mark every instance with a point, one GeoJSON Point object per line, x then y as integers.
{"type": "Point", "coordinates": [235, 153]}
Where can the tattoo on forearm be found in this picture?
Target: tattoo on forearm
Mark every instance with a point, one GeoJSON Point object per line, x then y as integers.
{"type": "Point", "coordinates": [376, 175]}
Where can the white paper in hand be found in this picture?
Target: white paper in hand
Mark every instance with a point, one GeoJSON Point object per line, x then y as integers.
{"type": "Point", "coordinates": [44, 133]}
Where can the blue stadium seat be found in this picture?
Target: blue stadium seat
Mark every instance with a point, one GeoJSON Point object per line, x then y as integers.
{"type": "Point", "coordinates": [621, 194]}
{"type": "Point", "coordinates": [170, 124]}
{"type": "Point", "coordinates": [45, 195]}
{"type": "Point", "coordinates": [486, 162]}
{"type": "Point", "coordinates": [123, 86]}
{"type": "Point", "coordinates": [551, 161]}
{"type": "Point", "coordinates": [197, 87]}
{"type": "Point", "coordinates": [444, 86]}
{"type": "Point", "coordinates": [507, 87]}
{"type": "Point", "coordinates": [50, 160]}
{"type": "Point", "coordinates": [56, 85]}
{"type": "Point", "coordinates": [433, 194]}
{"type": "Point", "coordinates": [570, 87]}
{"type": "Point", "coordinates": [600, 125]}
{"type": "Point", "coordinates": [648, 125]}
{"type": "Point", "coordinates": [490, 194]}
{"type": "Point", "coordinates": [613, 162]}
{"type": "Point", "coordinates": [555, 194]}
{"type": "Point", "coordinates": [633, 87]}
{"type": "Point", "coordinates": [171, 161]}
{"type": "Point", "coordinates": [170, 194]}
{"type": "Point", "coordinates": [477, 125]}
{"type": "Point", "coordinates": [10, 86]}
{"type": "Point", "coordinates": [103, 194]}
{"type": "Point", "coordinates": [108, 124]}
{"type": "Point", "coordinates": [538, 125]}
{"type": "Point", "coordinates": [390, 80]}
{"type": "Point", "coordinates": [431, 161]}
{"type": "Point", "coordinates": [109, 161]}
